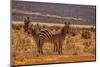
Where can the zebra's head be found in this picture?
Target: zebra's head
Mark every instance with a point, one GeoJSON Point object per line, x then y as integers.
{"type": "Point", "coordinates": [65, 29]}
{"type": "Point", "coordinates": [31, 30]}
{"type": "Point", "coordinates": [34, 30]}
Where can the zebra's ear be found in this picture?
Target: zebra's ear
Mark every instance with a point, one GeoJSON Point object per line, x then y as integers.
{"type": "Point", "coordinates": [67, 23]}
{"type": "Point", "coordinates": [28, 17]}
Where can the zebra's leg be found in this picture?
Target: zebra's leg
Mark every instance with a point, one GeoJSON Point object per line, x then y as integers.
{"type": "Point", "coordinates": [38, 47]}
{"type": "Point", "coordinates": [55, 47]}
{"type": "Point", "coordinates": [60, 48]}
{"type": "Point", "coordinates": [41, 48]}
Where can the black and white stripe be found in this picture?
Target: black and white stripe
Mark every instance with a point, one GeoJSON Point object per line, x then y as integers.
{"type": "Point", "coordinates": [45, 34]}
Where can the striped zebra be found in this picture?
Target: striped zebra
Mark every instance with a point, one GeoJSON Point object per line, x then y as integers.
{"type": "Point", "coordinates": [40, 36]}
{"type": "Point", "coordinates": [44, 36]}
{"type": "Point", "coordinates": [59, 38]}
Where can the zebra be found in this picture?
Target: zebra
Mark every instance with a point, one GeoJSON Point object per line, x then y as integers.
{"type": "Point", "coordinates": [45, 35]}
{"type": "Point", "coordinates": [40, 36]}
{"type": "Point", "coordinates": [59, 38]}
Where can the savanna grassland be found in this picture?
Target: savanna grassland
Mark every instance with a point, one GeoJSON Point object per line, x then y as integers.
{"type": "Point", "coordinates": [79, 45]}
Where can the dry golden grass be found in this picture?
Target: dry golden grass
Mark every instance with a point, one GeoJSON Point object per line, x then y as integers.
{"type": "Point", "coordinates": [75, 48]}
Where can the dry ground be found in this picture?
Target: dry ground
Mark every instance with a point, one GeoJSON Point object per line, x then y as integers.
{"type": "Point", "coordinates": [75, 48]}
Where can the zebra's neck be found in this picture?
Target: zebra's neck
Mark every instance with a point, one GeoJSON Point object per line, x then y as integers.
{"type": "Point", "coordinates": [63, 33]}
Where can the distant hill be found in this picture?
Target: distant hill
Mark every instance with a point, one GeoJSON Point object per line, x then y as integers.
{"type": "Point", "coordinates": [54, 13]}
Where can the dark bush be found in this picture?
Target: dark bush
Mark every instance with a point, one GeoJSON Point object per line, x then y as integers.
{"type": "Point", "coordinates": [86, 35]}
